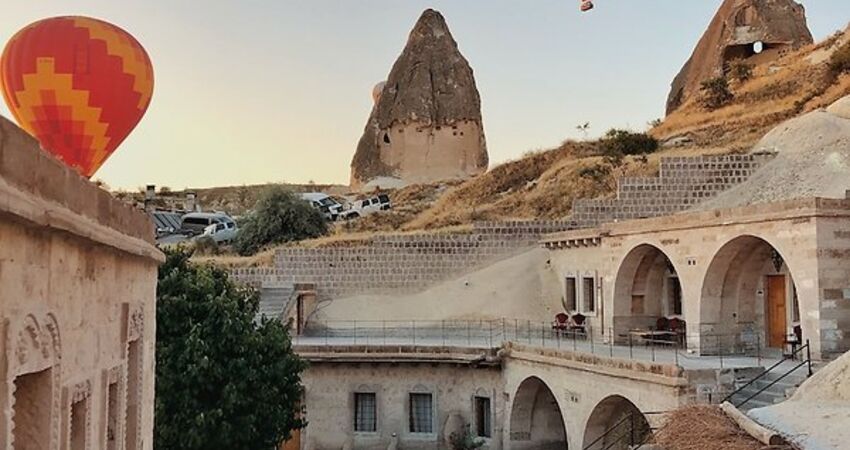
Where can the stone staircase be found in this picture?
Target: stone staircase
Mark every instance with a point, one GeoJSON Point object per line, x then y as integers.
{"type": "Point", "coordinates": [273, 299]}
{"type": "Point", "coordinates": [780, 391]}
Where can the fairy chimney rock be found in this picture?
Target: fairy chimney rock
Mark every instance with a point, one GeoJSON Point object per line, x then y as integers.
{"type": "Point", "coordinates": [426, 124]}
{"type": "Point", "coordinates": [756, 31]}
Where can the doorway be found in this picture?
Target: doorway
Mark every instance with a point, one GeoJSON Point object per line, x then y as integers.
{"type": "Point", "coordinates": [777, 326]}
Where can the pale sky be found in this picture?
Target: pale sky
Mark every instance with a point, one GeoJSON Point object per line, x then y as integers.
{"type": "Point", "coordinates": [255, 91]}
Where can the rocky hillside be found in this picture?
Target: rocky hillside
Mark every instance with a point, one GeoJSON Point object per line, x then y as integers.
{"type": "Point", "coordinates": [544, 184]}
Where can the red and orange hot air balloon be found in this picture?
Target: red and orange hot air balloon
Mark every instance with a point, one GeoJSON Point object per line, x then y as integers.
{"type": "Point", "coordinates": [78, 85]}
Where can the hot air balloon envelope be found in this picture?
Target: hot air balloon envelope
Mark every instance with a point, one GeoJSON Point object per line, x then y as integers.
{"type": "Point", "coordinates": [78, 85]}
{"type": "Point", "coordinates": [377, 91]}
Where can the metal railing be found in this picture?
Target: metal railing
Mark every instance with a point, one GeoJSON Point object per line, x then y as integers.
{"type": "Point", "coordinates": [805, 362]}
{"type": "Point", "coordinates": [633, 429]}
{"type": "Point", "coordinates": [631, 345]}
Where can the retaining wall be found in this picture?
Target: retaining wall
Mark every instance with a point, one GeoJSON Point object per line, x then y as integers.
{"type": "Point", "coordinates": [399, 263]}
{"type": "Point", "coordinates": [683, 182]}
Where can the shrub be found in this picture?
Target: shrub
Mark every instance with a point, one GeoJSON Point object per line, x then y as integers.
{"type": "Point", "coordinates": [278, 217]}
{"type": "Point", "coordinates": [715, 93]}
{"type": "Point", "coordinates": [839, 62]}
{"type": "Point", "coordinates": [206, 245]}
{"type": "Point", "coordinates": [740, 70]}
{"type": "Point", "coordinates": [465, 440]}
{"type": "Point", "coordinates": [618, 143]}
{"type": "Point", "coordinates": [598, 172]}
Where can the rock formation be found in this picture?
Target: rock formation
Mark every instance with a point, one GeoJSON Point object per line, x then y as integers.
{"type": "Point", "coordinates": [812, 160]}
{"type": "Point", "coordinates": [752, 30]}
{"type": "Point", "coordinates": [426, 122]}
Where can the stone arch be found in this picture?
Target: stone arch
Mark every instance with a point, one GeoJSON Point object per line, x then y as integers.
{"type": "Point", "coordinates": [536, 421]}
{"type": "Point", "coordinates": [736, 293]}
{"type": "Point", "coordinates": [616, 424]}
{"type": "Point", "coordinates": [646, 288]}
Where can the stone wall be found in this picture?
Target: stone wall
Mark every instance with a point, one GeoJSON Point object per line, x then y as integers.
{"type": "Point", "coordinates": [399, 263]}
{"type": "Point", "coordinates": [78, 275]}
{"type": "Point", "coordinates": [329, 399]}
{"type": "Point", "coordinates": [683, 182]}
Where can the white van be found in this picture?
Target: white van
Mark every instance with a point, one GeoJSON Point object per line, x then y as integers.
{"type": "Point", "coordinates": [366, 206]}
{"type": "Point", "coordinates": [222, 232]}
{"type": "Point", "coordinates": [326, 204]}
{"type": "Point", "coordinates": [197, 223]}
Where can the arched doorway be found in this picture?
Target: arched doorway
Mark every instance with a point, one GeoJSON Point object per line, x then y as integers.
{"type": "Point", "coordinates": [647, 291]}
{"type": "Point", "coordinates": [749, 298]}
{"type": "Point", "coordinates": [615, 424]}
{"type": "Point", "coordinates": [536, 421]}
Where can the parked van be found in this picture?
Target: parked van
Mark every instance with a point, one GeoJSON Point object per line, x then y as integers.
{"type": "Point", "coordinates": [196, 224]}
{"type": "Point", "coordinates": [222, 232]}
{"type": "Point", "coordinates": [326, 204]}
{"type": "Point", "coordinates": [366, 206]}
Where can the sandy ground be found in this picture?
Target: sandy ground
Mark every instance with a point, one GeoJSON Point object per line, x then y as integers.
{"type": "Point", "coordinates": [813, 160]}
{"type": "Point", "coordinates": [512, 288]}
{"type": "Point", "coordinates": [817, 416]}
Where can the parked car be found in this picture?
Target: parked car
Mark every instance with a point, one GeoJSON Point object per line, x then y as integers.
{"type": "Point", "coordinates": [222, 232]}
{"type": "Point", "coordinates": [327, 205]}
{"type": "Point", "coordinates": [195, 224]}
{"type": "Point", "coordinates": [366, 206]}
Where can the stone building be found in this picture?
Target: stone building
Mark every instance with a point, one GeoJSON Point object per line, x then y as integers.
{"type": "Point", "coordinates": [77, 308]}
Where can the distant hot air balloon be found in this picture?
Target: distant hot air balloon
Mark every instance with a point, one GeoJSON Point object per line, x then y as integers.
{"type": "Point", "coordinates": [586, 5]}
{"type": "Point", "coordinates": [78, 85]}
{"type": "Point", "coordinates": [377, 91]}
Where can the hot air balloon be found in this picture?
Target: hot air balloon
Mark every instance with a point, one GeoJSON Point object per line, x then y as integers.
{"type": "Point", "coordinates": [377, 91]}
{"type": "Point", "coordinates": [78, 85]}
{"type": "Point", "coordinates": [586, 5]}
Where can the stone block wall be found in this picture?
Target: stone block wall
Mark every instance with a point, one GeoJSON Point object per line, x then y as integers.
{"type": "Point", "coordinates": [32, 171]}
{"type": "Point", "coordinates": [399, 263]}
{"type": "Point", "coordinates": [683, 182]}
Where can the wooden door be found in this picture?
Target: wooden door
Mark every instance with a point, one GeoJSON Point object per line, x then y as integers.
{"type": "Point", "coordinates": [776, 311]}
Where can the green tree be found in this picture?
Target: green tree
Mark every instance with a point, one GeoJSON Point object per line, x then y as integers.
{"type": "Point", "coordinates": [224, 379]}
{"type": "Point", "coordinates": [279, 216]}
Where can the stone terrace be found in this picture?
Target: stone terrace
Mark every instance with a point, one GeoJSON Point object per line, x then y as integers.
{"type": "Point", "coordinates": [683, 182]}
{"type": "Point", "coordinates": [399, 263]}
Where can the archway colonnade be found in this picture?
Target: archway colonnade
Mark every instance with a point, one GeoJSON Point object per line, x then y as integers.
{"type": "Point", "coordinates": [537, 421]}
{"type": "Point", "coordinates": [744, 297]}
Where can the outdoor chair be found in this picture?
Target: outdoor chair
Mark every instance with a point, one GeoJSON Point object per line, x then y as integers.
{"type": "Point", "coordinates": [561, 322]}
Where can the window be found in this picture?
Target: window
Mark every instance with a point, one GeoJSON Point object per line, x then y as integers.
{"type": "Point", "coordinates": [112, 417]}
{"type": "Point", "coordinates": [31, 410]}
{"type": "Point", "coordinates": [79, 419]}
{"type": "Point", "coordinates": [421, 413]}
{"type": "Point", "coordinates": [570, 299]}
{"type": "Point", "coordinates": [675, 296]}
{"type": "Point", "coordinates": [589, 293]}
{"type": "Point", "coordinates": [365, 413]}
{"type": "Point", "coordinates": [482, 417]}
{"type": "Point", "coordinates": [132, 436]}
{"type": "Point", "coordinates": [196, 221]}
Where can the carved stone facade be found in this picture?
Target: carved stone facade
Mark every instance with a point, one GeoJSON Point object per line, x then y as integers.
{"type": "Point", "coordinates": [77, 284]}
